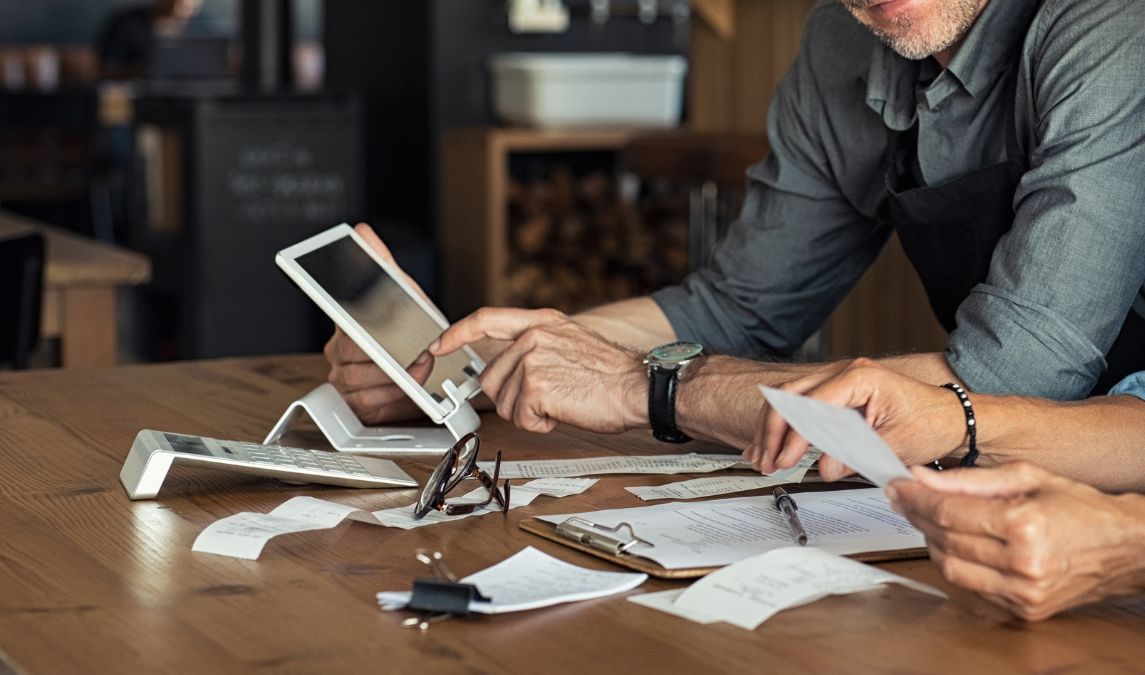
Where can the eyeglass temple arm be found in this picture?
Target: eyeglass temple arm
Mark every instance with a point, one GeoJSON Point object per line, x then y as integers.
{"type": "Point", "coordinates": [503, 500]}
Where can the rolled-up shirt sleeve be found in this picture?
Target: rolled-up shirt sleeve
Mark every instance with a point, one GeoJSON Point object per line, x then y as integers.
{"type": "Point", "coordinates": [798, 246]}
{"type": "Point", "coordinates": [1134, 385]}
{"type": "Point", "coordinates": [1063, 279]}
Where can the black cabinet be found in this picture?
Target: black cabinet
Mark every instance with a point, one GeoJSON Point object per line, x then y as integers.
{"type": "Point", "coordinates": [230, 179]}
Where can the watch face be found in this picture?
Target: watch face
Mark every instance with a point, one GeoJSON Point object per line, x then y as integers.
{"type": "Point", "coordinates": [675, 352]}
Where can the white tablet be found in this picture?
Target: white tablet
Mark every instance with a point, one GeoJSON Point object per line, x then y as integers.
{"type": "Point", "coordinates": [389, 319]}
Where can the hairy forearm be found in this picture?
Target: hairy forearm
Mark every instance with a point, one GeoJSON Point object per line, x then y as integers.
{"type": "Point", "coordinates": [1095, 441]}
{"type": "Point", "coordinates": [930, 367]}
{"type": "Point", "coordinates": [637, 323]}
{"type": "Point", "coordinates": [720, 400]}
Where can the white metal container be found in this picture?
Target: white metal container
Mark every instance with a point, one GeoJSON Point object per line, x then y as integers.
{"type": "Point", "coordinates": [563, 90]}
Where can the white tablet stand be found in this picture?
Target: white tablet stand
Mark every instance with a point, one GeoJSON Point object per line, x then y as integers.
{"type": "Point", "coordinates": [347, 433]}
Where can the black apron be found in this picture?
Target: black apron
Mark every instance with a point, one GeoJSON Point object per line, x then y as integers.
{"type": "Point", "coordinates": [949, 233]}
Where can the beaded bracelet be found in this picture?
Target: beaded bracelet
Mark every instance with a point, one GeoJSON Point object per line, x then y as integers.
{"type": "Point", "coordinates": [971, 426]}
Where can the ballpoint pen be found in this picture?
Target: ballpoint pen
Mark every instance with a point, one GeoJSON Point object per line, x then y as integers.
{"type": "Point", "coordinates": [786, 504]}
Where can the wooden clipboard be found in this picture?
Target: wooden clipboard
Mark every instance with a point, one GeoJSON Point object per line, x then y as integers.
{"type": "Point", "coordinates": [549, 531]}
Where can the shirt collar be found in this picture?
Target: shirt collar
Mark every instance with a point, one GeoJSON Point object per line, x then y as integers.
{"type": "Point", "coordinates": [992, 43]}
{"type": "Point", "coordinates": [986, 53]}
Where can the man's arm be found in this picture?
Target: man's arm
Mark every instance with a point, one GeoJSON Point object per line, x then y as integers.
{"type": "Point", "coordinates": [638, 323]}
{"type": "Point", "coordinates": [1096, 441]}
{"type": "Point", "coordinates": [721, 401]}
{"type": "Point", "coordinates": [1064, 277]}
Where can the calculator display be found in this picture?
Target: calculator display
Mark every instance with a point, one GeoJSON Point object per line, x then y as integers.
{"type": "Point", "coordinates": [192, 445]}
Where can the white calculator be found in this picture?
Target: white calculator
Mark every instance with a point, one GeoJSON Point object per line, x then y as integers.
{"type": "Point", "coordinates": [153, 453]}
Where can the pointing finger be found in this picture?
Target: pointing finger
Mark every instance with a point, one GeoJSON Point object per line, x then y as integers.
{"type": "Point", "coordinates": [498, 323]}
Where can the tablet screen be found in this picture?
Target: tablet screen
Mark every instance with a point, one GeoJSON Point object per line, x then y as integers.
{"type": "Point", "coordinates": [382, 308]}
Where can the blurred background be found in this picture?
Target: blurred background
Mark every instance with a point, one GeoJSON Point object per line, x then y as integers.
{"type": "Point", "coordinates": [155, 155]}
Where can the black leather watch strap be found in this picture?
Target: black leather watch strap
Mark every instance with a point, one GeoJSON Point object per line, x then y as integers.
{"type": "Point", "coordinates": [662, 383]}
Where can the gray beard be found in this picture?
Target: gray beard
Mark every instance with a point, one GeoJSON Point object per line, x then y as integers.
{"type": "Point", "coordinates": [955, 17]}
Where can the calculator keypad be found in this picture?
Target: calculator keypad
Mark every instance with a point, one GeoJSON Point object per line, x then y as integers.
{"type": "Point", "coordinates": [310, 460]}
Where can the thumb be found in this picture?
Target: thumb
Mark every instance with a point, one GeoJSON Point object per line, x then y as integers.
{"type": "Point", "coordinates": [366, 232]}
{"type": "Point", "coordinates": [375, 242]}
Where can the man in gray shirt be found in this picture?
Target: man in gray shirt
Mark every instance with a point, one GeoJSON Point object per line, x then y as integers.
{"type": "Point", "coordinates": [1002, 140]}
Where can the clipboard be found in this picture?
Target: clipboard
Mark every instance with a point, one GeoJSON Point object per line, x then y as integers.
{"type": "Point", "coordinates": [616, 548]}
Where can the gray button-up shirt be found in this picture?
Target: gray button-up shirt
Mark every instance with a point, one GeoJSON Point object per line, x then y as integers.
{"type": "Point", "coordinates": [1061, 281]}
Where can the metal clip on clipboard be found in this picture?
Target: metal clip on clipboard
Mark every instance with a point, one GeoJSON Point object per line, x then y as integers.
{"type": "Point", "coordinates": [592, 535]}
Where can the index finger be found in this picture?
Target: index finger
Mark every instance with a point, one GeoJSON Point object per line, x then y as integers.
{"type": "Point", "coordinates": [497, 323]}
{"type": "Point", "coordinates": [1009, 480]}
{"type": "Point", "coordinates": [929, 509]}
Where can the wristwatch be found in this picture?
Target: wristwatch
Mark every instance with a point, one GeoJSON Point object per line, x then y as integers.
{"type": "Point", "coordinates": [666, 366]}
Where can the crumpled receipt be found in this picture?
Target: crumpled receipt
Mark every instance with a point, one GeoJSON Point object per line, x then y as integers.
{"type": "Point", "coordinates": [244, 535]}
{"type": "Point", "coordinates": [711, 486]}
{"type": "Point", "coordinates": [755, 589]}
{"type": "Point", "coordinates": [519, 495]}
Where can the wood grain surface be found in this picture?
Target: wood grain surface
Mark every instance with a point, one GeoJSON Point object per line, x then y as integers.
{"type": "Point", "coordinates": [91, 582]}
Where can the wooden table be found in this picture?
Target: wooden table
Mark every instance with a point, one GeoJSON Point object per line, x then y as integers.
{"type": "Point", "coordinates": [81, 278]}
{"type": "Point", "coordinates": [91, 582]}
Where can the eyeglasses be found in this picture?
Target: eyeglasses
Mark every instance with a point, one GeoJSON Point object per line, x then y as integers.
{"type": "Point", "coordinates": [456, 465]}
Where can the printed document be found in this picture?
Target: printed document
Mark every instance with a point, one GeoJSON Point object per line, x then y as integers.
{"type": "Point", "coordinates": [724, 531]}
{"type": "Point", "coordinates": [841, 433]}
{"type": "Point", "coordinates": [753, 590]}
{"type": "Point", "coordinates": [713, 486]}
{"type": "Point", "coordinates": [530, 580]}
{"type": "Point", "coordinates": [596, 466]}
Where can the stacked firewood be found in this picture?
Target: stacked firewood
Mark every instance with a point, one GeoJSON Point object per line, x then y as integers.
{"type": "Point", "coordinates": [575, 242]}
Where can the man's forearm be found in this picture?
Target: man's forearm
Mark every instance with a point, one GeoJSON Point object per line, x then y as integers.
{"type": "Point", "coordinates": [720, 400]}
{"type": "Point", "coordinates": [1095, 441]}
{"type": "Point", "coordinates": [637, 323]}
{"type": "Point", "coordinates": [929, 367]}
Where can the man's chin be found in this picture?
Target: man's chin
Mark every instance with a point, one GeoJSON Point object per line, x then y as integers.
{"type": "Point", "coordinates": [915, 31]}
{"type": "Point", "coordinates": [912, 50]}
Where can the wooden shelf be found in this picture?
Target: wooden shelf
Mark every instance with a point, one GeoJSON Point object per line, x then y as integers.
{"type": "Point", "coordinates": [475, 181]}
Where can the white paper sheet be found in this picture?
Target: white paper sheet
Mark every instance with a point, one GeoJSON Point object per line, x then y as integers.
{"type": "Point", "coordinates": [244, 535]}
{"type": "Point", "coordinates": [724, 531]}
{"type": "Point", "coordinates": [530, 580]}
{"type": "Point", "coordinates": [519, 495]}
{"type": "Point", "coordinates": [596, 466]}
{"type": "Point", "coordinates": [753, 590]}
{"type": "Point", "coordinates": [841, 433]}
{"type": "Point", "coordinates": [713, 486]}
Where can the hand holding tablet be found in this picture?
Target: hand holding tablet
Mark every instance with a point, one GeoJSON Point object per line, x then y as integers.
{"type": "Point", "coordinates": [387, 317]}
{"type": "Point", "coordinates": [367, 390]}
